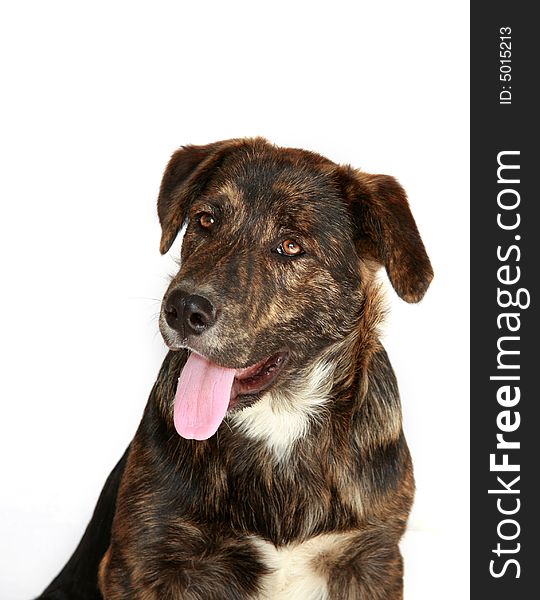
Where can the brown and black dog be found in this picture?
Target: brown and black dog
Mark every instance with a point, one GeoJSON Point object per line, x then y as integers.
{"type": "Point", "coordinates": [270, 462]}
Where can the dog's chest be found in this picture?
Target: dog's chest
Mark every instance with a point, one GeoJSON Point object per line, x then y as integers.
{"type": "Point", "coordinates": [298, 571]}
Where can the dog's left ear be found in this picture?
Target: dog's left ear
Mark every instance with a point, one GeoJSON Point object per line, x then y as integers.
{"type": "Point", "coordinates": [385, 230]}
{"type": "Point", "coordinates": [187, 174]}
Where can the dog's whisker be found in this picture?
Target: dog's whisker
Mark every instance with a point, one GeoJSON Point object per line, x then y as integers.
{"type": "Point", "coordinates": [144, 298]}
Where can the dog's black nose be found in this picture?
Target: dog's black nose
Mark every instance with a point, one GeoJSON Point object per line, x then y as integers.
{"type": "Point", "coordinates": [189, 313]}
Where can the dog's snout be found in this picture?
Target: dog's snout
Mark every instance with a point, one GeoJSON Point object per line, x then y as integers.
{"type": "Point", "coordinates": [189, 313]}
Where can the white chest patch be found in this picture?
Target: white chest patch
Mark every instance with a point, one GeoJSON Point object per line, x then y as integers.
{"type": "Point", "coordinates": [297, 570]}
{"type": "Point", "coordinates": [279, 419]}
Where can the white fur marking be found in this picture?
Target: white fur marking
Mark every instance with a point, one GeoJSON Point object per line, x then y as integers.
{"type": "Point", "coordinates": [294, 573]}
{"type": "Point", "coordinates": [280, 419]}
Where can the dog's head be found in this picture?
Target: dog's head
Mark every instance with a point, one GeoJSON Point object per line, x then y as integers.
{"type": "Point", "coordinates": [277, 246]}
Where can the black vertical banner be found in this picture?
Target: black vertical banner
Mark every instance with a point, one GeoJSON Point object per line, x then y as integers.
{"type": "Point", "coordinates": [505, 259]}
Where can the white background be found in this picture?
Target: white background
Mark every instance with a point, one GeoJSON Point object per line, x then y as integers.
{"type": "Point", "coordinates": [96, 96]}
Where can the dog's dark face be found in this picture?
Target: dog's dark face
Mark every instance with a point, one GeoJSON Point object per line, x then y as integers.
{"type": "Point", "coordinates": [276, 252]}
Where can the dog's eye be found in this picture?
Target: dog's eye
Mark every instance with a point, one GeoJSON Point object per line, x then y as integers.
{"type": "Point", "coordinates": [290, 248]}
{"type": "Point", "coordinates": [206, 220]}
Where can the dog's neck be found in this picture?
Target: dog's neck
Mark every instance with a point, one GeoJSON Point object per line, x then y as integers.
{"type": "Point", "coordinates": [281, 417]}
{"type": "Point", "coordinates": [285, 415]}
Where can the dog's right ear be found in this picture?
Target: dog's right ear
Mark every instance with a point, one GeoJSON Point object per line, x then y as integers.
{"type": "Point", "coordinates": [185, 177]}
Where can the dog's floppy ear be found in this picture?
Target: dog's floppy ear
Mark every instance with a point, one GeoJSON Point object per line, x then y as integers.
{"type": "Point", "coordinates": [385, 230]}
{"type": "Point", "coordinates": [186, 176]}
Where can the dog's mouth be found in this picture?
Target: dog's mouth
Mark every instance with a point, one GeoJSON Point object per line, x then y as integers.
{"type": "Point", "coordinates": [258, 377]}
{"type": "Point", "coordinates": [206, 391]}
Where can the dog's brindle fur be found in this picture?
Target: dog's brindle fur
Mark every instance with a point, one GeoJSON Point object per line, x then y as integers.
{"type": "Point", "coordinates": [303, 494]}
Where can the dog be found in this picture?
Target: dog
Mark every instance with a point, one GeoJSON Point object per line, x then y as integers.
{"type": "Point", "coordinates": [270, 462]}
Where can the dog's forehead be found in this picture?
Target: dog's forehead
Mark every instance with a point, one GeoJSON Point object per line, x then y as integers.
{"type": "Point", "coordinates": [282, 188]}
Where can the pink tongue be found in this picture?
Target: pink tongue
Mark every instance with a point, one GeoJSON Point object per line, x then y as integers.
{"type": "Point", "coordinates": [202, 398]}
